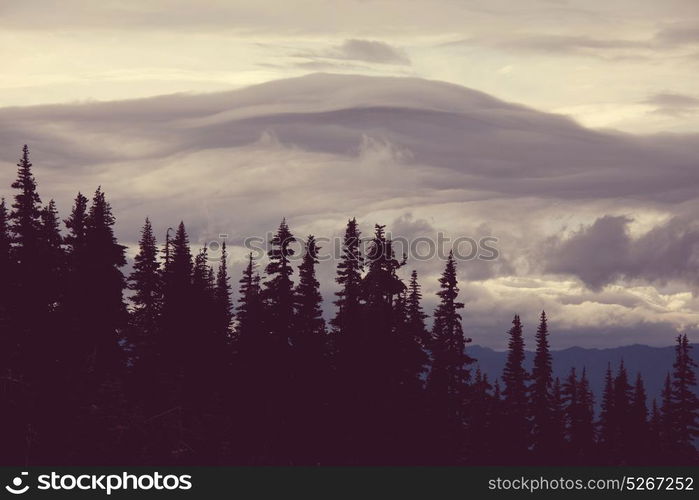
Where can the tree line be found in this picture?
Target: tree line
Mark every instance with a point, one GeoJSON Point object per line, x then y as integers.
{"type": "Point", "coordinates": [162, 366]}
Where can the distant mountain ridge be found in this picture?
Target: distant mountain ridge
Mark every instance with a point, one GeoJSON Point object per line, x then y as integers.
{"type": "Point", "coordinates": [653, 363]}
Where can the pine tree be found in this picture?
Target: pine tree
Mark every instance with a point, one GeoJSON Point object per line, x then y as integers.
{"type": "Point", "coordinates": [26, 302]}
{"type": "Point", "coordinates": [177, 321]}
{"type": "Point", "coordinates": [541, 402]}
{"type": "Point", "coordinates": [655, 442]}
{"type": "Point", "coordinates": [585, 433]}
{"type": "Point", "coordinates": [106, 311]}
{"type": "Point", "coordinates": [249, 311]}
{"type": "Point", "coordinates": [668, 430]}
{"type": "Point", "coordinates": [349, 277]}
{"type": "Point", "coordinates": [514, 377]}
{"type": "Point", "coordinates": [26, 214]}
{"type": "Point", "coordinates": [144, 281]}
{"type": "Point", "coordinates": [448, 377]}
{"type": "Point", "coordinates": [638, 424]}
{"type": "Point", "coordinates": [607, 420]}
{"type": "Point", "coordinates": [556, 433]}
{"type": "Point", "coordinates": [224, 304]}
{"type": "Point", "coordinates": [309, 322]}
{"type": "Point", "coordinates": [685, 403]}
{"type": "Point", "coordinates": [414, 313]}
{"type": "Point", "coordinates": [279, 288]}
{"type": "Point", "coordinates": [5, 284]}
{"type": "Point", "coordinates": [623, 394]}
{"type": "Point", "coordinates": [53, 259]}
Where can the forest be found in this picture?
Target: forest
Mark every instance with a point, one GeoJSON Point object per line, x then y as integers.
{"type": "Point", "coordinates": [176, 364]}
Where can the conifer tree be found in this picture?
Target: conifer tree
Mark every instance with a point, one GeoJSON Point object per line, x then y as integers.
{"type": "Point", "coordinates": [145, 283]}
{"type": "Point", "coordinates": [414, 314]}
{"type": "Point", "coordinates": [278, 287]}
{"type": "Point", "coordinates": [449, 375]}
{"type": "Point", "coordinates": [104, 256]}
{"type": "Point", "coordinates": [607, 419]}
{"type": "Point", "coordinates": [52, 257]}
{"type": "Point", "coordinates": [623, 394]}
{"type": "Point", "coordinates": [515, 377]}
{"type": "Point", "coordinates": [25, 230]}
{"type": "Point", "coordinates": [655, 442]}
{"type": "Point", "coordinates": [349, 277]}
{"type": "Point", "coordinates": [556, 433]}
{"type": "Point", "coordinates": [685, 403]}
{"type": "Point", "coordinates": [668, 431]}
{"type": "Point", "coordinates": [638, 424]}
{"type": "Point", "coordinates": [309, 322]}
{"type": "Point", "coordinates": [541, 403]}
{"type": "Point", "coordinates": [585, 433]}
{"type": "Point", "coordinates": [224, 304]}
{"type": "Point", "coordinates": [5, 283]}
{"type": "Point", "coordinates": [249, 309]}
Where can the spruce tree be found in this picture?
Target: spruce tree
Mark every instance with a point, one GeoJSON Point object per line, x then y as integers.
{"type": "Point", "coordinates": [515, 377]}
{"type": "Point", "coordinates": [638, 424]}
{"type": "Point", "coordinates": [415, 315]}
{"type": "Point", "coordinates": [607, 419]}
{"type": "Point", "coordinates": [685, 403]}
{"type": "Point", "coordinates": [145, 284]}
{"type": "Point", "coordinates": [248, 315]}
{"type": "Point", "coordinates": [224, 304]}
{"type": "Point", "coordinates": [623, 394]}
{"type": "Point", "coordinates": [585, 442]}
{"type": "Point", "coordinates": [309, 322]}
{"type": "Point", "coordinates": [541, 403]}
{"type": "Point", "coordinates": [349, 277]}
{"type": "Point", "coordinates": [668, 430]}
{"type": "Point", "coordinates": [448, 377]}
{"type": "Point", "coordinates": [5, 285]}
{"type": "Point", "coordinates": [279, 288]}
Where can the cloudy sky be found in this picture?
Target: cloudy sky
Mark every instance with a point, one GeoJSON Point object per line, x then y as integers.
{"type": "Point", "coordinates": [568, 130]}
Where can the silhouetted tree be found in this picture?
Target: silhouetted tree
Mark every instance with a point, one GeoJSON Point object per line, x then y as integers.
{"type": "Point", "coordinates": [349, 277]}
{"type": "Point", "coordinates": [622, 416]}
{"type": "Point", "coordinates": [249, 310]}
{"type": "Point", "coordinates": [145, 283]}
{"type": "Point", "coordinates": [309, 322]}
{"type": "Point", "coordinates": [278, 287]}
{"type": "Point", "coordinates": [638, 424]}
{"type": "Point", "coordinates": [224, 304]}
{"type": "Point", "coordinates": [515, 377]}
{"type": "Point", "coordinates": [685, 403]}
{"type": "Point", "coordinates": [544, 439]}
{"type": "Point", "coordinates": [449, 375]}
{"type": "Point", "coordinates": [607, 439]}
{"type": "Point", "coordinates": [415, 317]}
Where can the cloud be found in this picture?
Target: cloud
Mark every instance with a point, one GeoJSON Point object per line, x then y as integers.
{"type": "Point", "coordinates": [680, 33]}
{"type": "Point", "coordinates": [420, 156]}
{"type": "Point", "coordinates": [605, 252]}
{"type": "Point", "coordinates": [668, 103]}
{"type": "Point", "coordinates": [569, 43]}
{"type": "Point", "coordinates": [372, 51]}
{"type": "Point", "coordinates": [346, 55]}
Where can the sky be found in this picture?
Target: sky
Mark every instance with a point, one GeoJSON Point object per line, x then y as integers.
{"type": "Point", "coordinates": [567, 130]}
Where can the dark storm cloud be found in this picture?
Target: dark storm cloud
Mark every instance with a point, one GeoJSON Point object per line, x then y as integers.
{"type": "Point", "coordinates": [604, 252]}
